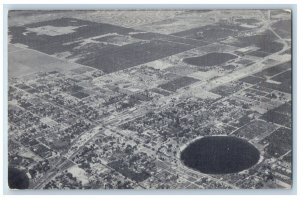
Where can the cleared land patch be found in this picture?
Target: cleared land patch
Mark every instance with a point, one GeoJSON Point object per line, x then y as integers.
{"type": "Point", "coordinates": [178, 83]}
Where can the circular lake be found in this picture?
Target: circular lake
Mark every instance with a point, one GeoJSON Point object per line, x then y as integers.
{"type": "Point", "coordinates": [220, 155]}
{"type": "Point", "coordinates": [17, 179]}
{"type": "Point", "coordinates": [210, 59]}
